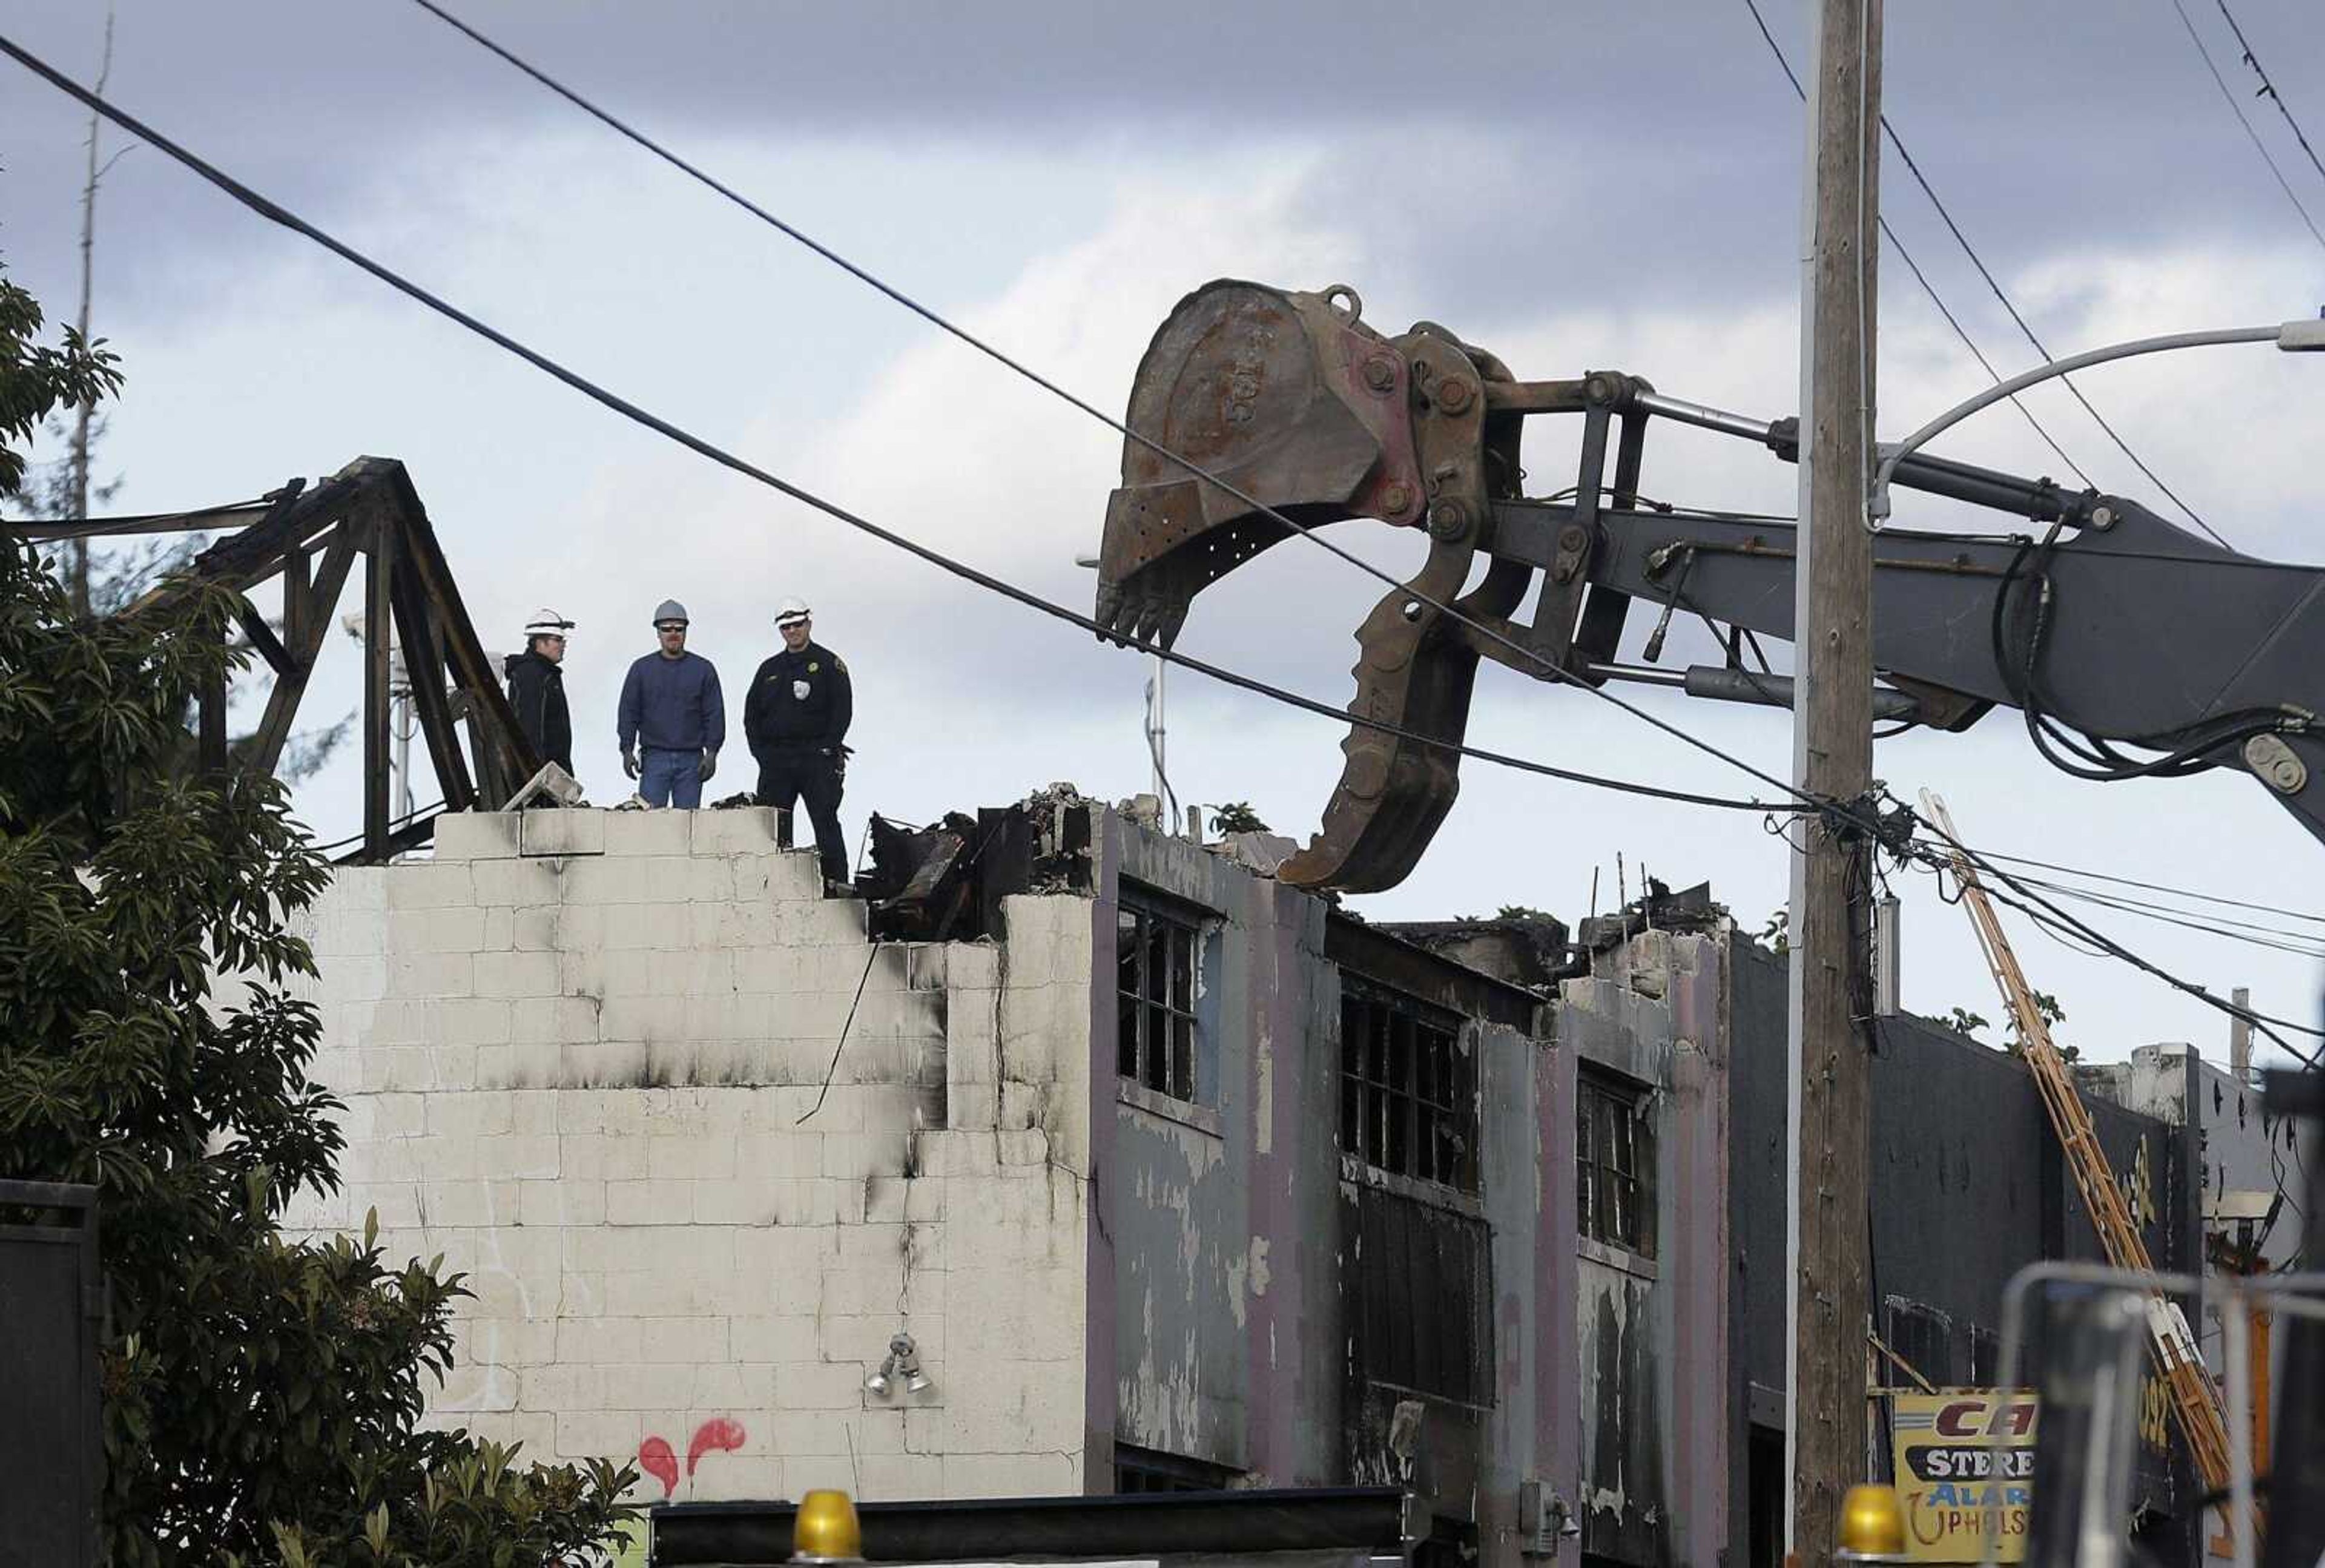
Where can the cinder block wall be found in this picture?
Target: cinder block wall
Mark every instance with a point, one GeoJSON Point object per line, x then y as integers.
{"type": "Point", "coordinates": [585, 1057]}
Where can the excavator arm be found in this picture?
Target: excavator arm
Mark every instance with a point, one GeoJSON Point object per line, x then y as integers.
{"type": "Point", "coordinates": [2106, 626]}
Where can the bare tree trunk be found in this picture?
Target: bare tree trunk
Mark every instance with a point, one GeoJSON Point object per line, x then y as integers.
{"type": "Point", "coordinates": [79, 557]}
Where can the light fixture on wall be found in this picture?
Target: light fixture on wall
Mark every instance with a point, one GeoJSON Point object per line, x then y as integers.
{"type": "Point", "coordinates": [903, 1360]}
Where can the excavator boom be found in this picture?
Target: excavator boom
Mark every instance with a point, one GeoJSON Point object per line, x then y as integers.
{"type": "Point", "coordinates": [2110, 629]}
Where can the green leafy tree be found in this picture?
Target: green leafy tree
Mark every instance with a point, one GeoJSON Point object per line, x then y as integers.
{"type": "Point", "coordinates": [1777, 932]}
{"type": "Point", "coordinates": [1237, 817]}
{"type": "Point", "coordinates": [1522, 912]}
{"type": "Point", "coordinates": [262, 1395]}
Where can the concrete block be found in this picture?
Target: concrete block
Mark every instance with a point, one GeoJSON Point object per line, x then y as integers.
{"type": "Point", "coordinates": [900, 1478]}
{"type": "Point", "coordinates": [512, 1157]}
{"type": "Point", "coordinates": [972, 1107]}
{"type": "Point", "coordinates": [647, 1294]}
{"type": "Point", "coordinates": [499, 923]}
{"type": "Point", "coordinates": [452, 1066]}
{"type": "Point", "coordinates": [884, 1199]}
{"type": "Point", "coordinates": [925, 966]}
{"type": "Point", "coordinates": [429, 884]}
{"type": "Point", "coordinates": [456, 929]}
{"type": "Point", "coordinates": [611, 1434]}
{"type": "Point", "coordinates": [478, 1114]}
{"type": "Point", "coordinates": [818, 1384]}
{"type": "Point", "coordinates": [561, 832]}
{"type": "Point", "coordinates": [517, 974]}
{"type": "Point", "coordinates": [596, 1156]}
{"type": "Point", "coordinates": [605, 1064]}
{"type": "Point", "coordinates": [649, 924]}
{"type": "Point", "coordinates": [533, 929]}
{"type": "Point", "coordinates": [682, 1340]}
{"type": "Point", "coordinates": [776, 1253]}
{"type": "Point", "coordinates": [687, 1158]}
{"type": "Point", "coordinates": [473, 1021]}
{"type": "Point", "coordinates": [1008, 1475]}
{"type": "Point", "coordinates": [959, 1154]}
{"type": "Point", "coordinates": [924, 1200]}
{"type": "Point", "coordinates": [648, 1019]}
{"type": "Point", "coordinates": [736, 1386]}
{"type": "Point", "coordinates": [580, 966]}
{"type": "Point", "coordinates": [532, 1064]}
{"type": "Point", "coordinates": [476, 835]}
{"type": "Point", "coordinates": [560, 1202]}
{"type": "Point", "coordinates": [533, 1112]}
{"type": "Point", "coordinates": [533, 881]}
{"type": "Point", "coordinates": [432, 975]}
{"type": "Point", "coordinates": [585, 1340]}
{"type": "Point", "coordinates": [742, 831]}
{"type": "Point", "coordinates": [784, 1337]}
{"type": "Point", "coordinates": [785, 876]}
{"type": "Point", "coordinates": [396, 1115]}
{"type": "Point", "coordinates": [557, 1020]}
{"type": "Point", "coordinates": [648, 1202]}
{"type": "Point", "coordinates": [562, 1387]}
{"type": "Point", "coordinates": [663, 832]}
{"type": "Point", "coordinates": [753, 931]}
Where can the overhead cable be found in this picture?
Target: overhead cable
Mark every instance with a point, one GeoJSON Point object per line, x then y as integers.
{"type": "Point", "coordinates": [1906, 255]}
{"type": "Point", "coordinates": [2154, 886]}
{"type": "Point", "coordinates": [2268, 89]}
{"type": "Point", "coordinates": [277, 214]}
{"type": "Point", "coordinates": [1550, 667]}
{"type": "Point", "coordinates": [2236, 109]}
{"type": "Point", "coordinates": [2047, 914]}
{"type": "Point", "coordinates": [1995, 284]}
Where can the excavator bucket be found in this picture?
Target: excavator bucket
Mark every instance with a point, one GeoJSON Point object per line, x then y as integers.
{"type": "Point", "coordinates": [1301, 415]}
{"type": "Point", "coordinates": [1287, 398]}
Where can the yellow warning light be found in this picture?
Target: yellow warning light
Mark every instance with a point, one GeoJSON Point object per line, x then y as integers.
{"type": "Point", "coordinates": [1872, 1524]}
{"type": "Point", "coordinates": [827, 1530]}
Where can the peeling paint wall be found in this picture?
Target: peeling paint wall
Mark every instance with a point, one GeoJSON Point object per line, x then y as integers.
{"type": "Point", "coordinates": [1652, 1360]}
{"type": "Point", "coordinates": [1218, 1218]}
{"type": "Point", "coordinates": [585, 1057]}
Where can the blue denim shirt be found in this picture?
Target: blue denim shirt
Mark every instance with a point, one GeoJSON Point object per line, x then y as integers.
{"type": "Point", "coordinates": [673, 705]}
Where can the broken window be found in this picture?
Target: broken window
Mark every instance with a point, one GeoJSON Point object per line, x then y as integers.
{"type": "Point", "coordinates": [1615, 1161]}
{"type": "Point", "coordinates": [1156, 958]}
{"type": "Point", "coordinates": [1408, 1087]}
{"type": "Point", "coordinates": [1922, 1337]}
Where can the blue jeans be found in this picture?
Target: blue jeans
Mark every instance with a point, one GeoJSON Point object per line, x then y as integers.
{"type": "Point", "coordinates": [671, 778]}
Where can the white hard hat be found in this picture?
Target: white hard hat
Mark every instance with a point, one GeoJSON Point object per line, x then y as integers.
{"type": "Point", "coordinates": [790, 610]}
{"type": "Point", "coordinates": [547, 622]}
{"type": "Point", "coordinates": [669, 610]}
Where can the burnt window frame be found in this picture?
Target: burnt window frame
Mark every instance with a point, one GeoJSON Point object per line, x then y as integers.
{"type": "Point", "coordinates": [1615, 1206]}
{"type": "Point", "coordinates": [1402, 1112]}
{"type": "Point", "coordinates": [1147, 1471]}
{"type": "Point", "coordinates": [1922, 1337]}
{"type": "Point", "coordinates": [1173, 1068]}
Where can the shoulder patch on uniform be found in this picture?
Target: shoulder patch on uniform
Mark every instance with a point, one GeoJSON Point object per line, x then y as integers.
{"type": "Point", "coordinates": [813, 666]}
{"type": "Point", "coordinates": [839, 664]}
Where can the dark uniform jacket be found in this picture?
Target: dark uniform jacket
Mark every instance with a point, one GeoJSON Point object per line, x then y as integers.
{"type": "Point", "coordinates": [536, 690]}
{"type": "Point", "coordinates": [799, 700]}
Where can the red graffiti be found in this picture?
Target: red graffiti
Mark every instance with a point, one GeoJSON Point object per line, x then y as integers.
{"type": "Point", "coordinates": [657, 1459]}
{"type": "Point", "coordinates": [717, 1432]}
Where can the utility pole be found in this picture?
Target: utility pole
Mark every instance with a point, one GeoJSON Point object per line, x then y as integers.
{"type": "Point", "coordinates": [1828, 1307]}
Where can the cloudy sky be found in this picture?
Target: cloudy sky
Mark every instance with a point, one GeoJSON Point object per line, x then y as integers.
{"type": "Point", "coordinates": [1574, 186]}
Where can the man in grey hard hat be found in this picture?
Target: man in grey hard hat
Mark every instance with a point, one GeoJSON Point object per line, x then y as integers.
{"type": "Point", "coordinates": [536, 688]}
{"type": "Point", "coordinates": [795, 718]}
{"type": "Point", "coordinates": [673, 718]}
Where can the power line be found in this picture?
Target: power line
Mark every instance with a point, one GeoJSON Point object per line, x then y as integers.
{"type": "Point", "coordinates": [2268, 89]}
{"type": "Point", "coordinates": [2057, 922]}
{"type": "Point", "coordinates": [2154, 887]}
{"type": "Point", "coordinates": [2222, 927]}
{"type": "Point", "coordinates": [1995, 284]}
{"type": "Point", "coordinates": [1548, 666]}
{"type": "Point", "coordinates": [277, 214]}
{"type": "Point", "coordinates": [2236, 109]}
{"type": "Point", "coordinates": [1929, 288]}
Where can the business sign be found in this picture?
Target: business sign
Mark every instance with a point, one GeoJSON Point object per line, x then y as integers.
{"type": "Point", "coordinates": [1952, 1478]}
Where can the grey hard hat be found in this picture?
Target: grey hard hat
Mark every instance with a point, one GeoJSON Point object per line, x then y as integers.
{"type": "Point", "coordinates": [670, 609]}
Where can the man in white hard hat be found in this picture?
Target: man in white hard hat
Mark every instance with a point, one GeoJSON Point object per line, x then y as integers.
{"type": "Point", "coordinates": [536, 688]}
{"type": "Point", "coordinates": [796, 720]}
{"type": "Point", "coordinates": [672, 711]}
